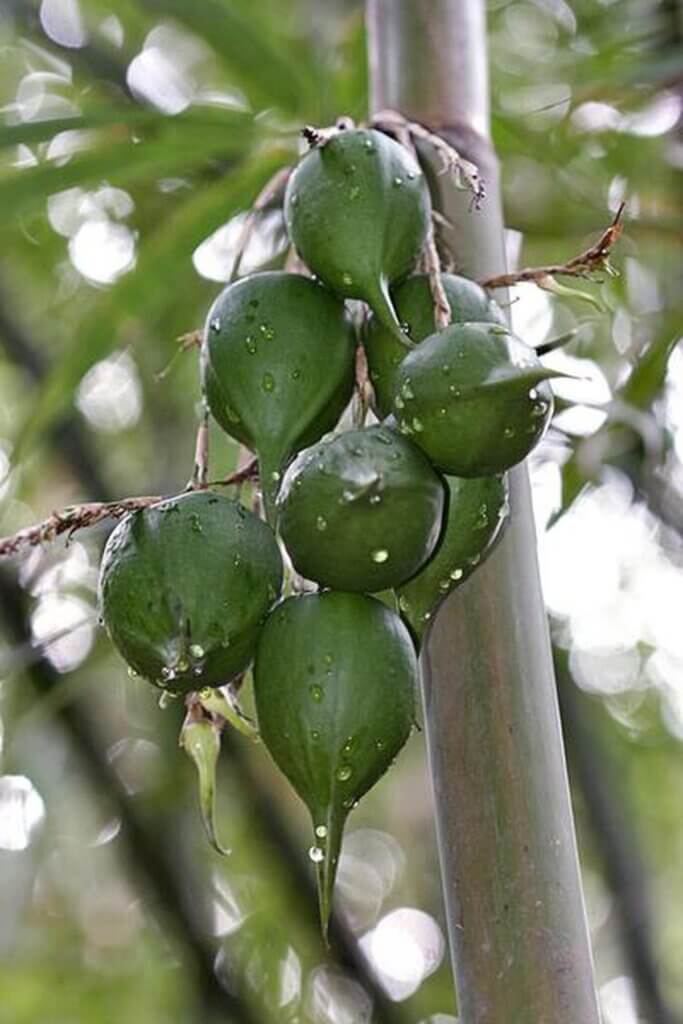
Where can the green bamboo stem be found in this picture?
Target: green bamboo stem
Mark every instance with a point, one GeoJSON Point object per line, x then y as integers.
{"type": "Point", "coordinates": [512, 887]}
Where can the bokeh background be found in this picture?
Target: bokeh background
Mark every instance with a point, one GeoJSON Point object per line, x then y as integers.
{"type": "Point", "coordinates": [133, 137]}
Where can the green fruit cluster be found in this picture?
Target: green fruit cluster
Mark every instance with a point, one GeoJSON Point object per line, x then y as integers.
{"type": "Point", "coordinates": [191, 588]}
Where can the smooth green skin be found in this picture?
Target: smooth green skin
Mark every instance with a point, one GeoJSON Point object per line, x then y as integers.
{"type": "Point", "coordinates": [335, 678]}
{"type": "Point", "coordinates": [277, 366]}
{"type": "Point", "coordinates": [193, 572]}
{"type": "Point", "coordinates": [415, 308]}
{"type": "Point", "coordinates": [476, 514]}
{"type": "Point", "coordinates": [358, 211]}
{"type": "Point", "coordinates": [362, 511]}
{"type": "Point", "coordinates": [472, 397]}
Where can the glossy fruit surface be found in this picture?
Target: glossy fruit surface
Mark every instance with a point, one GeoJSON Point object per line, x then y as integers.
{"type": "Point", "coordinates": [358, 210]}
{"type": "Point", "coordinates": [334, 682]}
{"type": "Point", "coordinates": [476, 513]}
{"type": "Point", "coordinates": [277, 366]}
{"type": "Point", "coordinates": [361, 511]}
{"type": "Point", "coordinates": [473, 398]}
{"type": "Point", "coordinates": [415, 309]}
{"type": "Point", "coordinates": [184, 588]}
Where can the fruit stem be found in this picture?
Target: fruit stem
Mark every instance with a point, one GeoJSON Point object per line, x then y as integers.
{"type": "Point", "coordinates": [379, 300]}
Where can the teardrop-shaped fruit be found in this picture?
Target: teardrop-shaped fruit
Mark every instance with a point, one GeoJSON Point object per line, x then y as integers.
{"type": "Point", "coordinates": [361, 511]}
{"type": "Point", "coordinates": [473, 398]}
{"type": "Point", "coordinates": [277, 366]}
{"type": "Point", "coordinates": [358, 209]}
{"type": "Point", "coordinates": [415, 308]}
{"type": "Point", "coordinates": [476, 513]}
{"type": "Point", "coordinates": [184, 588]}
{"type": "Point", "coordinates": [334, 683]}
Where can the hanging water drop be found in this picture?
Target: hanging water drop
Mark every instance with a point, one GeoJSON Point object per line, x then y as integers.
{"type": "Point", "coordinates": [316, 692]}
{"type": "Point", "coordinates": [316, 854]}
{"type": "Point", "coordinates": [344, 773]}
{"type": "Point", "coordinates": [380, 555]}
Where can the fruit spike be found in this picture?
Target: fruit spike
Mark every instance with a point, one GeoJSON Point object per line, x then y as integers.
{"type": "Point", "coordinates": [415, 308]}
{"type": "Point", "coordinates": [277, 367]}
{"type": "Point", "coordinates": [361, 511]}
{"type": "Point", "coordinates": [476, 514]}
{"type": "Point", "coordinates": [474, 398]}
{"type": "Point", "coordinates": [358, 212]}
{"type": "Point", "coordinates": [184, 586]}
{"type": "Point", "coordinates": [334, 684]}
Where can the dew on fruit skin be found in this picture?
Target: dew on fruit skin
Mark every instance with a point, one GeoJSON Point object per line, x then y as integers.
{"type": "Point", "coordinates": [474, 560]}
{"type": "Point", "coordinates": [215, 324]}
{"type": "Point", "coordinates": [267, 331]}
{"type": "Point", "coordinates": [237, 561]}
{"type": "Point", "coordinates": [316, 854]}
{"type": "Point", "coordinates": [343, 773]}
{"type": "Point", "coordinates": [406, 390]}
{"type": "Point", "coordinates": [348, 746]}
{"type": "Point", "coordinates": [375, 499]}
{"type": "Point", "coordinates": [329, 660]}
{"type": "Point", "coordinates": [295, 374]}
{"type": "Point", "coordinates": [398, 182]}
{"type": "Point", "coordinates": [442, 412]}
{"type": "Point", "coordinates": [399, 403]}
{"type": "Point", "coordinates": [268, 382]}
{"type": "Point", "coordinates": [182, 665]}
{"type": "Point", "coordinates": [197, 670]}
{"type": "Point", "coordinates": [275, 476]}
{"type": "Point", "coordinates": [482, 520]}
{"type": "Point", "coordinates": [347, 279]}
{"type": "Point", "coordinates": [445, 369]}
{"type": "Point", "coordinates": [456, 574]}
{"type": "Point", "coordinates": [321, 523]}
{"type": "Point", "coordinates": [321, 831]}
{"type": "Point", "coordinates": [132, 674]}
{"type": "Point", "coordinates": [417, 425]}
{"type": "Point", "coordinates": [509, 432]}
{"type": "Point", "coordinates": [454, 391]}
{"type": "Point", "coordinates": [294, 200]}
{"type": "Point", "coordinates": [404, 604]}
{"type": "Point", "coordinates": [316, 692]}
{"type": "Point", "coordinates": [250, 345]}
{"type": "Point", "coordinates": [315, 735]}
{"type": "Point", "coordinates": [444, 585]}
{"type": "Point", "coordinates": [533, 394]}
{"type": "Point", "coordinates": [197, 651]}
{"type": "Point", "coordinates": [379, 744]}
{"type": "Point", "coordinates": [195, 522]}
{"type": "Point", "coordinates": [349, 804]}
{"type": "Point", "coordinates": [369, 146]}
{"type": "Point", "coordinates": [380, 555]}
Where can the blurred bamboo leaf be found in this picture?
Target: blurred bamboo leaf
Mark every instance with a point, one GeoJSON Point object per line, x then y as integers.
{"type": "Point", "coordinates": [164, 262]}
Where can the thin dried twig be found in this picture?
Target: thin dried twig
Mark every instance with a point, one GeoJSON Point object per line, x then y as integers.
{"type": "Point", "coordinates": [593, 260]}
{"type": "Point", "coordinates": [200, 469]}
{"type": "Point", "coordinates": [72, 518]}
{"type": "Point", "coordinates": [464, 173]}
{"type": "Point", "coordinates": [79, 517]}
{"type": "Point", "coordinates": [271, 191]}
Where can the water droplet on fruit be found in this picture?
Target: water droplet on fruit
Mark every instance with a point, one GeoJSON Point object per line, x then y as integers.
{"type": "Point", "coordinates": [369, 146]}
{"type": "Point", "coordinates": [445, 586]}
{"type": "Point", "coordinates": [509, 432]}
{"type": "Point", "coordinates": [197, 651]}
{"type": "Point", "coordinates": [375, 499]}
{"type": "Point", "coordinates": [343, 773]}
{"type": "Point", "coordinates": [168, 674]}
{"type": "Point", "coordinates": [275, 476]}
{"type": "Point", "coordinates": [321, 831]}
{"type": "Point", "coordinates": [474, 560]}
{"type": "Point", "coordinates": [417, 425]}
{"type": "Point", "coordinates": [379, 744]}
{"type": "Point", "coordinates": [454, 391]}
{"type": "Point", "coordinates": [195, 522]}
{"type": "Point", "coordinates": [446, 369]}
{"type": "Point", "coordinates": [328, 659]}
{"type": "Point", "coordinates": [315, 735]}
{"type": "Point", "coordinates": [231, 414]}
{"type": "Point", "coordinates": [398, 182]}
{"type": "Point", "coordinates": [533, 394]}
{"type": "Point", "coordinates": [267, 331]}
{"type": "Point", "coordinates": [268, 382]}
{"type": "Point", "coordinates": [295, 374]}
{"type": "Point", "coordinates": [132, 673]}
{"type": "Point", "coordinates": [316, 854]}
{"type": "Point", "coordinates": [295, 200]}
{"type": "Point", "coordinates": [321, 523]}
{"type": "Point", "coordinates": [316, 692]}
{"type": "Point", "coordinates": [237, 561]}
{"type": "Point", "coordinates": [347, 279]}
{"type": "Point", "coordinates": [539, 409]}
{"type": "Point", "coordinates": [482, 520]}
{"type": "Point", "coordinates": [412, 175]}
{"type": "Point", "coordinates": [404, 604]}
{"type": "Point", "coordinates": [407, 391]}
{"type": "Point", "coordinates": [456, 574]}
{"type": "Point", "coordinates": [215, 324]}
{"type": "Point", "coordinates": [380, 555]}
{"type": "Point", "coordinates": [442, 412]}
{"type": "Point", "coordinates": [250, 344]}
{"type": "Point", "coordinates": [399, 403]}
